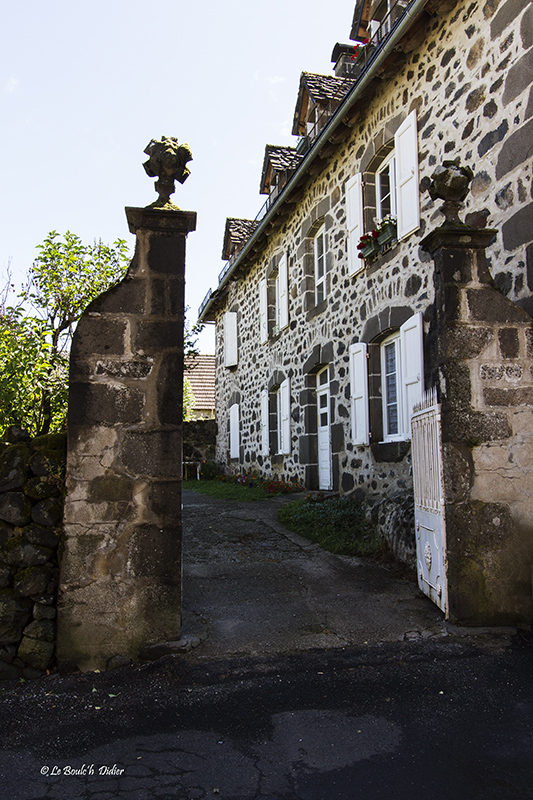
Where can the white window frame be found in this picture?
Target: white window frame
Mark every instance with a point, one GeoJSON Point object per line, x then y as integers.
{"type": "Point", "coordinates": [282, 398]}
{"type": "Point", "coordinates": [282, 294]}
{"type": "Point", "coordinates": [354, 222]}
{"type": "Point", "coordinates": [231, 355]}
{"type": "Point", "coordinates": [359, 393]}
{"type": "Point", "coordinates": [320, 280]}
{"type": "Point", "coordinates": [390, 162]}
{"type": "Point", "coordinates": [263, 311]}
{"type": "Point", "coordinates": [234, 431]}
{"type": "Point", "coordinates": [265, 427]}
{"type": "Point", "coordinates": [399, 435]}
{"type": "Point", "coordinates": [409, 354]}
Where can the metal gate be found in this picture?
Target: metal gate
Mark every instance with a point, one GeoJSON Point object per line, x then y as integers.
{"type": "Point", "coordinates": [429, 500]}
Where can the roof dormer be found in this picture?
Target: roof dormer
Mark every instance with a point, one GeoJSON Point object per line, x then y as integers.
{"type": "Point", "coordinates": [278, 165]}
{"type": "Point", "coordinates": [237, 233]}
{"type": "Point", "coordinates": [318, 97]}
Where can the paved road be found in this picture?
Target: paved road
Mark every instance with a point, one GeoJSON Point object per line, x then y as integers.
{"type": "Point", "coordinates": [403, 717]}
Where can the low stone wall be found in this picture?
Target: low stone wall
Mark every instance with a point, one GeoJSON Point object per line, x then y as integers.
{"type": "Point", "coordinates": [199, 440]}
{"type": "Point", "coordinates": [31, 498]}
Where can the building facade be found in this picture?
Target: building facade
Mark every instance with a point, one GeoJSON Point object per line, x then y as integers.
{"type": "Point", "coordinates": [323, 310]}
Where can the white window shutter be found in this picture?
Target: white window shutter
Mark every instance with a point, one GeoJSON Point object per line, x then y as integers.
{"type": "Point", "coordinates": [234, 431]}
{"type": "Point", "coordinates": [359, 393]}
{"type": "Point", "coordinates": [285, 422]}
{"type": "Point", "coordinates": [407, 180]}
{"type": "Point", "coordinates": [412, 356]}
{"type": "Point", "coordinates": [283, 293]}
{"type": "Point", "coordinates": [263, 312]}
{"type": "Point", "coordinates": [354, 221]}
{"type": "Point", "coordinates": [265, 430]}
{"type": "Point", "coordinates": [230, 339]}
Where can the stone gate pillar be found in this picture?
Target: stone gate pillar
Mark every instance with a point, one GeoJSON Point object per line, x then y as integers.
{"type": "Point", "coordinates": [479, 352]}
{"type": "Point", "coordinates": [120, 581]}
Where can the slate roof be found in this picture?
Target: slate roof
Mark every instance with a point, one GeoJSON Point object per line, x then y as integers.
{"type": "Point", "coordinates": [320, 90]}
{"type": "Point", "coordinates": [238, 231]}
{"type": "Point", "coordinates": [200, 370]}
{"type": "Point", "coordinates": [279, 159]}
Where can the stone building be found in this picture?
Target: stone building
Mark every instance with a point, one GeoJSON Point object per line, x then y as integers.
{"type": "Point", "coordinates": [325, 306]}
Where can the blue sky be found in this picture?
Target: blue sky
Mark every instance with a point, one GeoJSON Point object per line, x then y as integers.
{"type": "Point", "coordinates": [84, 87]}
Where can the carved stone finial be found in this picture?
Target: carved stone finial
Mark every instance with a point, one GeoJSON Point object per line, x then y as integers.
{"type": "Point", "coordinates": [167, 162]}
{"type": "Point", "coordinates": [451, 183]}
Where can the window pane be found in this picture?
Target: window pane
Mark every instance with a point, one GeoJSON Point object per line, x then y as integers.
{"type": "Point", "coordinates": [323, 401]}
{"type": "Point", "coordinates": [391, 389]}
{"type": "Point", "coordinates": [385, 192]}
{"type": "Point", "coordinates": [323, 377]}
{"type": "Point", "coordinates": [323, 420]}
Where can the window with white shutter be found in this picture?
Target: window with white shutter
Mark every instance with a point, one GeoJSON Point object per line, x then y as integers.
{"type": "Point", "coordinates": [263, 311]}
{"type": "Point", "coordinates": [234, 433]}
{"type": "Point", "coordinates": [354, 222]}
{"type": "Point", "coordinates": [265, 429]}
{"type": "Point", "coordinates": [284, 418]}
{"type": "Point", "coordinates": [230, 339]}
{"type": "Point", "coordinates": [282, 294]}
{"type": "Point", "coordinates": [359, 393]}
{"type": "Point", "coordinates": [407, 191]}
{"type": "Point", "coordinates": [412, 354]}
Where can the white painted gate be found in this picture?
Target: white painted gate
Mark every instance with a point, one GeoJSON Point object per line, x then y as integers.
{"type": "Point", "coordinates": [429, 500]}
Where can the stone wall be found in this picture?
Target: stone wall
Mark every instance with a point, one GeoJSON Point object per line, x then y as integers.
{"type": "Point", "coordinates": [468, 78]}
{"type": "Point", "coordinates": [31, 499]}
{"type": "Point", "coordinates": [199, 440]}
{"type": "Point", "coordinates": [121, 569]}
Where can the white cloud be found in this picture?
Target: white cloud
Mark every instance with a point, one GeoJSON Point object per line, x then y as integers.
{"type": "Point", "coordinates": [12, 85]}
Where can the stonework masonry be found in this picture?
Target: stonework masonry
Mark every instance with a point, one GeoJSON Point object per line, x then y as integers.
{"type": "Point", "coordinates": [467, 75]}
{"type": "Point", "coordinates": [120, 582]}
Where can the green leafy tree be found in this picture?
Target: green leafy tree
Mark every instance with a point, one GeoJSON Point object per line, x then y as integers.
{"type": "Point", "coordinates": [35, 335]}
{"type": "Point", "coordinates": [188, 400]}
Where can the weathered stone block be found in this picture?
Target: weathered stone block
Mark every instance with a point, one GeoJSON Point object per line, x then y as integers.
{"type": "Point", "coordinates": [488, 305]}
{"type": "Point", "coordinates": [505, 16]}
{"type": "Point", "coordinates": [152, 454]}
{"type": "Point", "coordinates": [45, 537]}
{"type": "Point", "coordinates": [516, 231]}
{"type": "Point", "coordinates": [474, 427]}
{"type": "Point", "coordinates": [44, 629]}
{"type": "Point", "coordinates": [15, 508]}
{"type": "Point", "coordinates": [155, 552]}
{"type": "Point", "coordinates": [47, 462]}
{"type": "Point", "coordinates": [518, 77]}
{"type": "Point", "coordinates": [517, 148]}
{"type": "Point", "coordinates": [32, 581]}
{"type": "Point", "coordinates": [170, 391]}
{"type": "Point", "coordinates": [458, 386]}
{"type": "Point", "coordinates": [36, 652]}
{"type": "Point", "coordinates": [99, 336]}
{"type": "Point", "coordinates": [47, 512]}
{"type": "Point", "coordinates": [509, 343]}
{"type": "Point", "coordinates": [128, 296]}
{"type": "Point", "coordinates": [41, 611]}
{"type": "Point", "coordinates": [458, 468]}
{"type": "Point", "coordinates": [511, 396]}
{"type": "Point", "coordinates": [164, 499]}
{"type": "Point", "coordinates": [39, 488]}
{"type": "Point", "coordinates": [492, 138]}
{"type": "Point", "coordinates": [14, 615]}
{"type": "Point", "coordinates": [154, 336]}
{"type": "Point", "coordinates": [20, 553]}
{"type": "Point", "coordinates": [104, 404]}
{"type": "Point", "coordinates": [166, 253]}
{"type": "Point", "coordinates": [465, 342]}
{"type": "Point", "coordinates": [14, 467]}
{"type": "Point", "coordinates": [110, 488]}
{"type": "Point", "coordinates": [136, 369]}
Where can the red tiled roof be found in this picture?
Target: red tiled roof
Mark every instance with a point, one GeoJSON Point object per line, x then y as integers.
{"type": "Point", "coordinates": [200, 370]}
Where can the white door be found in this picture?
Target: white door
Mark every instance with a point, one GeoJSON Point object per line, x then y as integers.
{"type": "Point", "coordinates": [429, 501]}
{"type": "Point", "coordinates": [323, 413]}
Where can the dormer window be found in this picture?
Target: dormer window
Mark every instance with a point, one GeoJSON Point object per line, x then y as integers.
{"type": "Point", "coordinates": [278, 165]}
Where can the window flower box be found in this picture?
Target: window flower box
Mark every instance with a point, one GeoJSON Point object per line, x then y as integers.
{"type": "Point", "coordinates": [387, 231]}
{"type": "Point", "coordinates": [368, 245]}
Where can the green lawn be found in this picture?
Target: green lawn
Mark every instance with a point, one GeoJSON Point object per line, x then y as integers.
{"type": "Point", "coordinates": [227, 491]}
